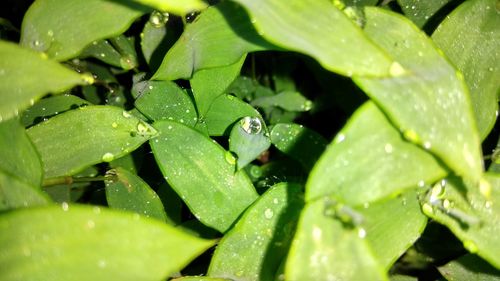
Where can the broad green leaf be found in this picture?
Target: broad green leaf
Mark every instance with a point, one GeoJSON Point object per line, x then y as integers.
{"type": "Point", "coordinates": [392, 226]}
{"type": "Point", "coordinates": [172, 203]}
{"type": "Point", "coordinates": [249, 138]}
{"type": "Point", "coordinates": [76, 139]}
{"type": "Point", "coordinates": [225, 111]}
{"type": "Point", "coordinates": [254, 248]}
{"type": "Point", "coordinates": [103, 51]}
{"type": "Point", "coordinates": [49, 107]}
{"type": "Point", "coordinates": [369, 160]}
{"type": "Point", "coordinates": [473, 217]}
{"type": "Point", "coordinates": [208, 84]}
{"type": "Point", "coordinates": [319, 29]}
{"type": "Point", "coordinates": [173, 6]}
{"type": "Point", "coordinates": [164, 100]}
{"type": "Point", "coordinates": [154, 38]}
{"type": "Point", "coordinates": [127, 191]}
{"type": "Point", "coordinates": [63, 28]}
{"type": "Point", "coordinates": [126, 47]}
{"type": "Point", "coordinates": [469, 267]}
{"type": "Point", "coordinates": [470, 38]}
{"type": "Point", "coordinates": [287, 100]}
{"type": "Point", "coordinates": [298, 142]}
{"type": "Point", "coordinates": [220, 36]}
{"type": "Point", "coordinates": [325, 249]}
{"type": "Point", "coordinates": [15, 193]}
{"type": "Point", "coordinates": [426, 98]}
{"type": "Point", "coordinates": [26, 76]}
{"type": "Point", "coordinates": [91, 243]}
{"type": "Point", "coordinates": [421, 11]}
{"type": "Point", "coordinates": [203, 174]}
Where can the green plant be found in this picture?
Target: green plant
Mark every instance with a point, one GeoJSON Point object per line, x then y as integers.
{"type": "Point", "coordinates": [136, 135]}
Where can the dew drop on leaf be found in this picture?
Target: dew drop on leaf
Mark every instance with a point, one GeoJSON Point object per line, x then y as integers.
{"type": "Point", "coordinates": [108, 157]}
{"type": "Point", "coordinates": [158, 19]}
{"type": "Point", "coordinates": [268, 214]}
{"type": "Point", "coordinates": [251, 125]}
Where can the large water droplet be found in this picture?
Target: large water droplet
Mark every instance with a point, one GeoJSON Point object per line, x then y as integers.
{"type": "Point", "coordinates": [158, 19]}
{"type": "Point", "coordinates": [251, 125]}
{"type": "Point", "coordinates": [108, 157]}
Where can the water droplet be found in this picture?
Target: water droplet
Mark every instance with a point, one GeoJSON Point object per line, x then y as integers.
{"type": "Point", "coordinates": [388, 148]}
{"type": "Point", "coordinates": [275, 201]}
{"type": "Point", "coordinates": [421, 183]}
{"type": "Point", "coordinates": [114, 125]}
{"type": "Point", "coordinates": [65, 206]}
{"type": "Point", "coordinates": [488, 204]}
{"type": "Point", "coordinates": [316, 233]}
{"type": "Point", "coordinates": [102, 55]}
{"type": "Point", "coordinates": [50, 33]}
{"type": "Point", "coordinates": [361, 233]}
{"type": "Point", "coordinates": [446, 204]}
{"type": "Point", "coordinates": [427, 209]}
{"type": "Point", "coordinates": [340, 138]}
{"type": "Point", "coordinates": [411, 135]}
{"type": "Point", "coordinates": [268, 213]}
{"type": "Point", "coordinates": [108, 157]}
{"type": "Point", "coordinates": [158, 19]}
{"type": "Point", "coordinates": [90, 224]}
{"type": "Point", "coordinates": [366, 205]}
{"type": "Point", "coordinates": [88, 78]}
{"type": "Point", "coordinates": [490, 69]}
{"type": "Point", "coordinates": [485, 188]}
{"type": "Point", "coordinates": [228, 155]}
{"type": "Point", "coordinates": [307, 105]}
{"type": "Point", "coordinates": [101, 263]}
{"type": "Point", "coordinates": [427, 145]}
{"type": "Point", "coordinates": [470, 246]}
{"type": "Point", "coordinates": [251, 125]}
{"type": "Point", "coordinates": [396, 69]}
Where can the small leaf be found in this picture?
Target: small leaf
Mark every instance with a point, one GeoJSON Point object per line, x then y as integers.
{"type": "Point", "coordinates": [248, 139]}
{"type": "Point", "coordinates": [420, 12]}
{"type": "Point", "coordinates": [164, 100]}
{"type": "Point", "coordinates": [425, 97]}
{"type": "Point", "coordinates": [208, 84]}
{"type": "Point", "coordinates": [473, 217]}
{"type": "Point", "coordinates": [173, 6]}
{"type": "Point", "coordinates": [127, 191]}
{"type": "Point", "coordinates": [470, 38]}
{"type": "Point", "coordinates": [287, 100]}
{"type": "Point", "coordinates": [91, 243]}
{"type": "Point", "coordinates": [225, 111]}
{"type": "Point", "coordinates": [49, 107]}
{"type": "Point", "coordinates": [323, 247]}
{"type": "Point", "coordinates": [26, 76]}
{"type": "Point", "coordinates": [469, 267]}
{"type": "Point", "coordinates": [63, 28]}
{"type": "Point", "coordinates": [203, 174]}
{"type": "Point", "coordinates": [103, 51]}
{"type": "Point", "coordinates": [76, 139]}
{"type": "Point", "coordinates": [384, 222]}
{"type": "Point", "coordinates": [154, 38]}
{"type": "Point", "coordinates": [369, 160]}
{"type": "Point", "coordinates": [254, 248]}
{"type": "Point", "coordinates": [298, 142]}
{"type": "Point", "coordinates": [306, 26]}
{"type": "Point", "coordinates": [225, 23]}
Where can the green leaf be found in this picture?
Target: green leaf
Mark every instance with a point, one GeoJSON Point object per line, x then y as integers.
{"type": "Point", "coordinates": [91, 243]}
{"type": "Point", "coordinates": [249, 138]}
{"type": "Point", "coordinates": [254, 248]}
{"type": "Point", "coordinates": [470, 38]}
{"type": "Point", "coordinates": [287, 100]}
{"type": "Point", "coordinates": [325, 248]}
{"type": "Point", "coordinates": [26, 76]}
{"type": "Point", "coordinates": [173, 6]}
{"type": "Point", "coordinates": [154, 38]}
{"type": "Point", "coordinates": [63, 28]}
{"type": "Point", "coordinates": [203, 174]}
{"type": "Point", "coordinates": [103, 51]}
{"type": "Point", "coordinates": [15, 193]}
{"type": "Point", "coordinates": [76, 139]}
{"type": "Point", "coordinates": [164, 100]}
{"type": "Point", "coordinates": [320, 30]}
{"type": "Point", "coordinates": [208, 84]}
{"type": "Point", "coordinates": [473, 217]}
{"type": "Point", "coordinates": [369, 160]}
{"type": "Point", "coordinates": [469, 267]}
{"type": "Point", "coordinates": [127, 191]}
{"type": "Point", "coordinates": [392, 226]}
{"type": "Point", "coordinates": [49, 107]}
{"type": "Point", "coordinates": [224, 112]}
{"type": "Point", "coordinates": [225, 23]}
{"type": "Point", "coordinates": [426, 98]}
{"type": "Point", "coordinates": [420, 12]}
{"type": "Point", "coordinates": [298, 142]}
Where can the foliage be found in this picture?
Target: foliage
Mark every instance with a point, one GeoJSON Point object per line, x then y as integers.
{"type": "Point", "coordinates": [250, 140]}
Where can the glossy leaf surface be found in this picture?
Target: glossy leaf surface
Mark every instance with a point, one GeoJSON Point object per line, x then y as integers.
{"type": "Point", "coordinates": [328, 38]}
{"type": "Point", "coordinates": [203, 174]}
{"type": "Point", "coordinates": [88, 136]}
{"type": "Point", "coordinates": [426, 98]}
{"type": "Point", "coordinates": [61, 38]}
{"type": "Point", "coordinates": [26, 76]}
{"type": "Point", "coordinates": [256, 245]}
{"type": "Point", "coordinates": [369, 160]}
{"type": "Point", "coordinates": [324, 248]}
{"type": "Point", "coordinates": [470, 38]}
{"type": "Point", "coordinates": [127, 191]}
{"type": "Point", "coordinates": [81, 243]}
